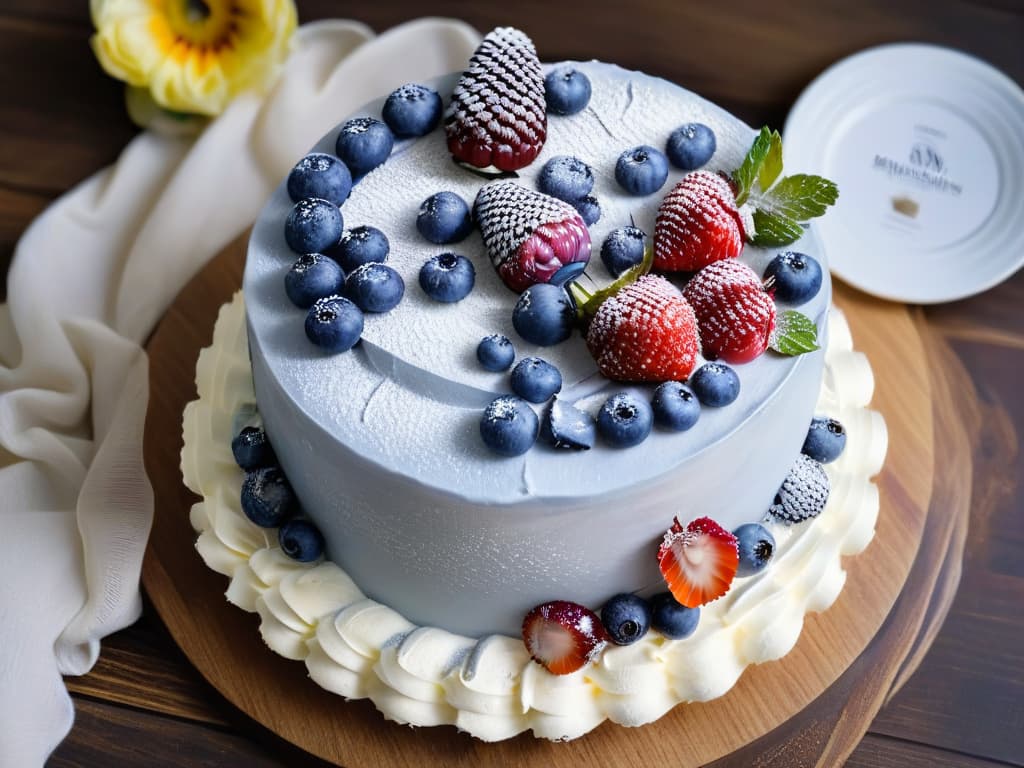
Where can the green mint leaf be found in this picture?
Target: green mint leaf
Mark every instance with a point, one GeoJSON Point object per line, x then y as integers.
{"type": "Point", "coordinates": [800, 197]}
{"type": "Point", "coordinates": [774, 229]}
{"type": "Point", "coordinates": [772, 165]}
{"type": "Point", "coordinates": [587, 304]}
{"type": "Point", "coordinates": [749, 169]}
{"type": "Point", "coordinates": [794, 334]}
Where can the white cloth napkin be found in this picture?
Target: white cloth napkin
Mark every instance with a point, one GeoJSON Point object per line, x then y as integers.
{"type": "Point", "coordinates": [90, 279]}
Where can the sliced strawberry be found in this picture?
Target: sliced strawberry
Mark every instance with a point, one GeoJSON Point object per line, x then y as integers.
{"type": "Point", "coordinates": [563, 636]}
{"type": "Point", "coordinates": [698, 562]}
{"type": "Point", "coordinates": [698, 223]}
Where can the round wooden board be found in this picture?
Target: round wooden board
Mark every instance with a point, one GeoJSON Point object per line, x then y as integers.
{"type": "Point", "coordinates": [802, 710]}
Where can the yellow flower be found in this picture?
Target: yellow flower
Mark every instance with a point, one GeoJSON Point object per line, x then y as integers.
{"type": "Point", "coordinates": [193, 55]}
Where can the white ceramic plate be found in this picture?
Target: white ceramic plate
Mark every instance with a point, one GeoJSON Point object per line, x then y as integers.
{"type": "Point", "coordinates": [927, 147]}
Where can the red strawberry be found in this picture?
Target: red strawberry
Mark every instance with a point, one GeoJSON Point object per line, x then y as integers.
{"type": "Point", "coordinates": [698, 223]}
{"type": "Point", "coordinates": [563, 636]}
{"type": "Point", "coordinates": [645, 332]}
{"type": "Point", "coordinates": [529, 235]}
{"type": "Point", "coordinates": [698, 562]}
{"type": "Point", "coordinates": [734, 312]}
{"type": "Point", "coordinates": [497, 116]}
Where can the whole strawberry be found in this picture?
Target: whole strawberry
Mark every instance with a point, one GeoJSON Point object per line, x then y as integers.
{"type": "Point", "coordinates": [645, 332]}
{"type": "Point", "coordinates": [736, 316]}
{"type": "Point", "coordinates": [698, 223]}
{"type": "Point", "coordinates": [498, 115]}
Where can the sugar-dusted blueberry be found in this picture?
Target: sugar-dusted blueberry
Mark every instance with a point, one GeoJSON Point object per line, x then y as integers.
{"type": "Point", "coordinates": [544, 314]}
{"type": "Point", "coordinates": [301, 540]}
{"type": "Point", "coordinates": [675, 406]}
{"type": "Point", "coordinates": [360, 245]}
{"type": "Point", "coordinates": [825, 440]}
{"type": "Point", "coordinates": [509, 426]}
{"type": "Point", "coordinates": [495, 352]}
{"type": "Point", "coordinates": [715, 384]}
{"type": "Point", "coordinates": [375, 287]}
{"type": "Point", "coordinates": [625, 420]}
{"type": "Point", "coordinates": [589, 209]}
{"type": "Point", "coordinates": [334, 324]}
{"type": "Point", "coordinates": [566, 90]}
{"type": "Point", "coordinates": [756, 545]}
{"type": "Point", "coordinates": [536, 380]}
{"type": "Point", "coordinates": [565, 426]}
{"type": "Point", "coordinates": [623, 248]}
{"type": "Point", "coordinates": [447, 277]}
{"type": "Point", "coordinates": [252, 450]}
{"type": "Point", "coordinates": [313, 225]}
{"type": "Point", "coordinates": [267, 498]}
{"type": "Point", "coordinates": [794, 277]}
{"type": "Point", "coordinates": [364, 143]}
{"type": "Point", "coordinates": [672, 619]}
{"type": "Point", "coordinates": [627, 618]}
{"type": "Point", "coordinates": [444, 218]}
{"type": "Point", "coordinates": [412, 110]}
{"type": "Point", "coordinates": [313, 276]}
{"type": "Point", "coordinates": [566, 177]}
{"type": "Point", "coordinates": [320, 175]}
{"type": "Point", "coordinates": [641, 170]}
{"type": "Point", "coordinates": [690, 146]}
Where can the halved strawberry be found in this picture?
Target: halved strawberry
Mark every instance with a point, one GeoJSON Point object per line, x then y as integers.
{"type": "Point", "coordinates": [698, 562]}
{"type": "Point", "coordinates": [698, 223]}
{"type": "Point", "coordinates": [563, 636]}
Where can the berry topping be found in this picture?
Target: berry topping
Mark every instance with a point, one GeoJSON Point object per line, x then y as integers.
{"type": "Point", "coordinates": [803, 493]}
{"type": "Point", "coordinates": [364, 143]}
{"type": "Point", "coordinates": [529, 235]}
{"type": "Point", "coordinates": [562, 636]}
{"type": "Point", "coordinates": [675, 406]}
{"type": "Point", "coordinates": [625, 420]}
{"type": "Point", "coordinates": [698, 223]}
{"type": "Point", "coordinates": [313, 276]}
{"type": "Point", "coordinates": [589, 209]}
{"type": "Point", "coordinates": [252, 449]}
{"type": "Point", "coordinates": [566, 90]}
{"type": "Point", "coordinates": [566, 426]}
{"type": "Point", "coordinates": [301, 540]}
{"type": "Point", "coordinates": [565, 177]}
{"type": "Point", "coordinates": [825, 440]}
{"type": "Point", "coordinates": [495, 352]}
{"type": "Point", "coordinates": [536, 380]}
{"type": "Point", "coordinates": [735, 315]}
{"type": "Point", "coordinates": [641, 170]}
{"type": "Point", "coordinates": [497, 116]}
{"type": "Point", "coordinates": [755, 545]}
{"type": "Point", "coordinates": [509, 426]}
{"type": "Point", "coordinates": [447, 277]}
{"type": "Point", "coordinates": [267, 498]}
{"type": "Point", "coordinates": [313, 225]}
{"type": "Point", "coordinates": [320, 175]}
{"type": "Point", "coordinates": [444, 218]}
{"type": "Point", "coordinates": [622, 249]}
{"type": "Point", "coordinates": [544, 314]}
{"type": "Point", "coordinates": [360, 245]}
{"type": "Point", "coordinates": [671, 619]}
{"type": "Point", "coordinates": [375, 287]}
{"type": "Point", "coordinates": [626, 618]}
{"type": "Point", "coordinates": [698, 562]}
{"type": "Point", "coordinates": [715, 384]}
{"type": "Point", "coordinates": [644, 332]}
{"type": "Point", "coordinates": [690, 146]}
{"type": "Point", "coordinates": [412, 110]}
{"type": "Point", "coordinates": [334, 324]}
{"type": "Point", "coordinates": [793, 277]}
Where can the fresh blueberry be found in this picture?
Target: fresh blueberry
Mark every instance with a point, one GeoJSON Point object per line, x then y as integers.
{"type": "Point", "coordinates": [715, 384]}
{"type": "Point", "coordinates": [320, 175]}
{"type": "Point", "coordinates": [313, 225]}
{"type": "Point", "coordinates": [690, 146]}
{"type": "Point", "coordinates": [252, 449]}
{"type": "Point", "coordinates": [622, 249]}
{"type": "Point", "coordinates": [334, 323]}
{"type": "Point", "coordinates": [412, 110]}
{"type": "Point", "coordinates": [756, 546]}
{"type": "Point", "coordinates": [363, 144]}
{"type": "Point", "coordinates": [509, 426]}
{"type": "Point", "coordinates": [675, 406]}
{"type": "Point", "coordinates": [796, 277]}
{"type": "Point", "coordinates": [825, 440]}
{"type": "Point", "coordinates": [672, 619]}
{"type": "Point", "coordinates": [544, 314]}
{"type": "Point", "coordinates": [359, 246]}
{"type": "Point", "coordinates": [444, 218]}
{"type": "Point", "coordinates": [566, 90]}
{"type": "Point", "coordinates": [589, 209]}
{"type": "Point", "coordinates": [565, 177]}
{"type": "Point", "coordinates": [641, 170]}
{"type": "Point", "coordinates": [625, 420]}
{"type": "Point", "coordinates": [375, 287]}
{"type": "Point", "coordinates": [301, 540]}
{"type": "Point", "coordinates": [626, 617]}
{"type": "Point", "coordinates": [495, 352]}
{"type": "Point", "coordinates": [536, 380]}
{"type": "Point", "coordinates": [447, 277]}
{"type": "Point", "coordinates": [267, 498]}
{"type": "Point", "coordinates": [566, 426]}
{"type": "Point", "coordinates": [313, 276]}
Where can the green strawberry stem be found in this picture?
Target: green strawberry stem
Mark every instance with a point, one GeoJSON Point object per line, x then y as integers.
{"type": "Point", "coordinates": [587, 303]}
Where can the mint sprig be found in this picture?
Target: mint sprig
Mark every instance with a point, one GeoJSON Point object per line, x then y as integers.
{"type": "Point", "coordinates": [794, 334]}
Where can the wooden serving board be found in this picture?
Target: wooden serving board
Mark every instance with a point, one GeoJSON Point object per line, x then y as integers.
{"type": "Point", "coordinates": [809, 709]}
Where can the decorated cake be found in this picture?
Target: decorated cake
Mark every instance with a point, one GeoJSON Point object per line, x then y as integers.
{"type": "Point", "coordinates": [533, 411]}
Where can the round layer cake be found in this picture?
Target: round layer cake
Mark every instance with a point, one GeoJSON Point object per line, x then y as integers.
{"type": "Point", "coordinates": [382, 444]}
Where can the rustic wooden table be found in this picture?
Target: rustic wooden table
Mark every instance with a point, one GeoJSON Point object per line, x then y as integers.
{"type": "Point", "coordinates": [61, 119]}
